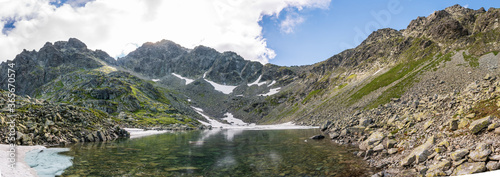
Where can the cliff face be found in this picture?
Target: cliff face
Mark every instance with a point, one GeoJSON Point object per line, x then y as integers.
{"type": "Point", "coordinates": [157, 60]}
{"type": "Point", "coordinates": [52, 60]}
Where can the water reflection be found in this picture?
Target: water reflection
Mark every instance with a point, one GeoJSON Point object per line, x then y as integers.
{"type": "Point", "coordinates": [218, 152]}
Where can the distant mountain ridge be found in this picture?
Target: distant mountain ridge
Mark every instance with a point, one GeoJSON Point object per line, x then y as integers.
{"type": "Point", "coordinates": [156, 60]}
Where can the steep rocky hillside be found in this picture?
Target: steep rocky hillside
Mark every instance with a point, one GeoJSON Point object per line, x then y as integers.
{"type": "Point", "coordinates": [41, 122]}
{"type": "Point", "coordinates": [68, 72]}
{"type": "Point", "coordinates": [51, 61]}
{"type": "Point", "coordinates": [390, 64]}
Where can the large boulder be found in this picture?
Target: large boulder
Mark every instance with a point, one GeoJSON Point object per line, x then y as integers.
{"type": "Point", "coordinates": [459, 154]}
{"type": "Point", "coordinates": [373, 140]}
{"type": "Point", "coordinates": [419, 154]}
{"type": "Point", "coordinates": [317, 137]}
{"type": "Point", "coordinates": [365, 122]}
{"type": "Point", "coordinates": [481, 153]}
{"type": "Point", "coordinates": [469, 168]}
{"type": "Point", "coordinates": [478, 125]}
{"type": "Point", "coordinates": [438, 169]}
{"type": "Point", "coordinates": [493, 165]}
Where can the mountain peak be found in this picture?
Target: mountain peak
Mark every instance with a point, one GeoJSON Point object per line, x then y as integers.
{"type": "Point", "coordinates": [455, 8]}
{"type": "Point", "coordinates": [382, 34]}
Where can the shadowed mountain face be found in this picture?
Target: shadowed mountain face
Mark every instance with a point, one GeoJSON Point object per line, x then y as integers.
{"type": "Point", "coordinates": [52, 60]}
{"type": "Point", "coordinates": [160, 59]}
{"type": "Point", "coordinates": [159, 78]}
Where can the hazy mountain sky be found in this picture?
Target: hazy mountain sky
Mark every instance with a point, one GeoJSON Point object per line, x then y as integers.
{"type": "Point", "coordinates": [284, 32]}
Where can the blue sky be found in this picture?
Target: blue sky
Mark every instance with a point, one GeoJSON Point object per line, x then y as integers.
{"type": "Point", "coordinates": [326, 32]}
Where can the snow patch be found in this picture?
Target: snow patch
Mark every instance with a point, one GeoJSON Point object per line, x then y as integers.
{"type": "Point", "coordinates": [233, 121]}
{"type": "Point", "coordinates": [257, 82]}
{"type": "Point", "coordinates": [240, 124]}
{"type": "Point", "coordinates": [137, 132]}
{"type": "Point", "coordinates": [188, 81]}
{"type": "Point", "coordinates": [155, 80]}
{"type": "Point", "coordinates": [377, 71]}
{"type": "Point", "coordinates": [271, 92]}
{"type": "Point", "coordinates": [212, 122]}
{"type": "Point", "coordinates": [226, 89]}
{"type": "Point", "coordinates": [272, 83]}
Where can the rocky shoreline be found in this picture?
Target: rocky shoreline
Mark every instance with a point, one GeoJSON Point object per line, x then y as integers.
{"type": "Point", "coordinates": [439, 135]}
{"type": "Point", "coordinates": [23, 169]}
{"type": "Point", "coordinates": [40, 122]}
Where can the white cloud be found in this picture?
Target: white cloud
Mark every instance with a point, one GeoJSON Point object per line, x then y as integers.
{"type": "Point", "coordinates": [292, 19]}
{"type": "Point", "coordinates": [117, 26]}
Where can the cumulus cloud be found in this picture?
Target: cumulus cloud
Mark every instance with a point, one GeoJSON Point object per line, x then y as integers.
{"type": "Point", "coordinates": [291, 20]}
{"type": "Point", "coordinates": [119, 26]}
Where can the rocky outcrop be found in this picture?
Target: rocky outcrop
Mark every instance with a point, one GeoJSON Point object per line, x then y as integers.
{"type": "Point", "coordinates": [43, 123]}
{"type": "Point", "coordinates": [467, 146]}
{"type": "Point", "coordinates": [51, 61]}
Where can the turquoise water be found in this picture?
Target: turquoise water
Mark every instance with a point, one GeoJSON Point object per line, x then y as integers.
{"type": "Point", "coordinates": [227, 152]}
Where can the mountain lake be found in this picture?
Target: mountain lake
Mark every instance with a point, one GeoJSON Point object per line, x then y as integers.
{"type": "Point", "coordinates": [217, 152]}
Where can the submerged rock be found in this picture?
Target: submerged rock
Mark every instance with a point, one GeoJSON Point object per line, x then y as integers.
{"type": "Point", "coordinates": [317, 137]}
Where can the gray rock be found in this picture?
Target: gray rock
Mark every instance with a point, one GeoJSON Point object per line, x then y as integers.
{"type": "Point", "coordinates": [478, 125]}
{"type": "Point", "coordinates": [392, 151]}
{"type": "Point", "coordinates": [492, 165]}
{"type": "Point", "coordinates": [459, 162]}
{"type": "Point", "coordinates": [375, 137]}
{"type": "Point", "coordinates": [344, 132]}
{"type": "Point", "coordinates": [487, 77]}
{"type": "Point", "coordinates": [325, 125]}
{"type": "Point", "coordinates": [469, 168]}
{"type": "Point", "coordinates": [317, 137]}
{"type": "Point", "coordinates": [420, 153]}
{"type": "Point", "coordinates": [481, 153]}
{"type": "Point", "coordinates": [459, 154]}
{"type": "Point", "coordinates": [454, 124]}
{"type": "Point", "coordinates": [493, 126]}
{"type": "Point", "coordinates": [378, 148]}
{"type": "Point", "coordinates": [495, 157]}
{"type": "Point", "coordinates": [333, 135]}
{"type": "Point", "coordinates": [365, 122]}
{"type": "Point", "coordinates": [373, 140]}
{"type": "Point", "coordinates": [441, 166]}
{"type": "Point", "coordinates": [390, 143]}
